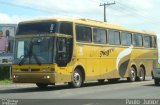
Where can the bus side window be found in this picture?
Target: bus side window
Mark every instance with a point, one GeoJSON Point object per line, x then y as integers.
{"type": "Point", "coordinates": [154, 42]}
{"type": "Point", "coordinates": [99, 36]}
{"type": "Point", "coordinates": [66, 28]}
{"type": "Point", "coordinates": [126, 39]}
{"type": "Point", "coordinates": [147, 41]}
{"type": "Point", "coordinates": [137, 40]}
{"type": "Point", "coordinates": [83, 34]}
{"type": "Point", "coordinates": [114, 37]}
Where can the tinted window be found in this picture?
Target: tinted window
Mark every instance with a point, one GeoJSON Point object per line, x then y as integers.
{"type": "Point", "coordinates": [66, 28]}
{"type": "Point", "coordinates": [99, 36]}
{"type": "Point", "coordinates": [83, 33]}
{"type": "Point", "coordinates": [37, 28]}
{"type": "Point", "coordinates": [147, 41]}
{"type": "Point", "coordinates": [114, 37]}
{"type": "Point", "coordinates": [137, 40]}
{"type": "Point", "coordinates": [126, 38]}
{"type": "Point", "coordinates": [154, 44]}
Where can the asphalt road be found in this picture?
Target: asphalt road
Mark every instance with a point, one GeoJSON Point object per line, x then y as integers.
{"type": "Point", "coordinates": [93, 90]}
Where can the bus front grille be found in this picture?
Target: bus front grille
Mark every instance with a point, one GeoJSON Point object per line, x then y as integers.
{"type": "Point", "coordinates": [30, 70]}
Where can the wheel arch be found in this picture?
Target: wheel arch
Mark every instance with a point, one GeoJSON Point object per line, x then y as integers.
{"type": "Point", "coordinates": [135, 67]}
{"type": "Point", "coordinates": [82, 70]}
{"type": "Point", "coordinates": [142, 65]}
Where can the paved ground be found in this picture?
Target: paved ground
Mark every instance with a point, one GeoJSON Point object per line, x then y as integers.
{"type": "Point", "coordinates": [120, 90]}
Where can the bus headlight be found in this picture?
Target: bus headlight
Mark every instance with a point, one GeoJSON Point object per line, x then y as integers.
{"type": "Point", "coordinates": [15, 76]}
{"type": "Point", "coordinates": [47, 77]}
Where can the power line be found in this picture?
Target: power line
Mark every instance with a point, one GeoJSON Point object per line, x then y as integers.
{"type": "Point", "coordinates": [132, 12]}
{"type": "Point", "coordinates": [32, 8]}
{"type": "Point", "coordinates": [121, 7]}
{"type": "Point", "coordinates": [106, 4]}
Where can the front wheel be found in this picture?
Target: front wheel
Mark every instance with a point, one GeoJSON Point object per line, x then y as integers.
{"type": "Point", "coordinates": [77, 79]}
{"type": "Point", "coordinates": [132, 75]}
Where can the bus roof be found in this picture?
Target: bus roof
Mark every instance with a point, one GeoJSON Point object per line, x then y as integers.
{"type": "Point", "coordinates": [93, 23]}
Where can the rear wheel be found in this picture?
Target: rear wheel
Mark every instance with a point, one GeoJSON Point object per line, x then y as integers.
{"type": "Point", "coordinates": [41, 86]}
{"type": "Point", "coordinates": [156, 81]}
{"type": "Point", "coordinates": [141, 74]}
{"type": "Point", "coordinates": [132, 75]}
{"type": "Point", "coordinates": [77, 79]}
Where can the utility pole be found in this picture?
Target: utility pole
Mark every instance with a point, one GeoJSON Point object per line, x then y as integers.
{"type": "Point", "coordinates": [106, 4]}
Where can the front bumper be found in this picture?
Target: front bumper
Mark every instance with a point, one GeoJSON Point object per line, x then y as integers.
{"type": "Point", "coordinates": [48, 78]}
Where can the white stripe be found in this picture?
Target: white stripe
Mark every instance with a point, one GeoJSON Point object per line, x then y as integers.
{"type": "Point", "coordinates": [123, 54]}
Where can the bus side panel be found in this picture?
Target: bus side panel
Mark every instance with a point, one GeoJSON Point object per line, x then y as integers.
{"type": "Point", "coordinates": [87, 59]}
{"type": "Point", "coordinates": [106, 60]}
{"type": "Point", "coordinates": [143, 57]}
{"type": "Point", "coordinates": [122, 61]}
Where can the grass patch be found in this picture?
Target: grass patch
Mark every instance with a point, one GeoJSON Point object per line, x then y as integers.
{"type": "Point", "coordinates": [6, 81]}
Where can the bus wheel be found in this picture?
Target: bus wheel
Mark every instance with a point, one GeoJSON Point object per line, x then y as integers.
{"type": "Point", "coordinates": [41, 86]}
{"type": "Point", "coordinates": [101, 81]}
{"type": "Point", "coordinates": [132, 75]}
{"type": "Point", "coordinates": [141, 74]}
{"type": "Point", "coordinates": [77, 80]}
{"type": "Point", "coordinates": [156, 82]}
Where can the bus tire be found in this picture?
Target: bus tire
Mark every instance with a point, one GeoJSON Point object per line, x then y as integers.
{"type": "Point", "coordinates": [41, 86]}
{"type": "Point", "coordinates": [156, 82]}
{"type": "Point", "coordinates": [101, 81]}
{"type": "Point", "coordinates": [141, 76]}
{"type": "Point", "coordinates": [132, 75]}
{"type": "Point", "coordinates": [77, 79]}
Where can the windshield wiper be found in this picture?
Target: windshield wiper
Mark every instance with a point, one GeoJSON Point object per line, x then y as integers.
{"type": "Point", "coordinates": [26, 56]}
{"type": "Point", "coordinates": [30, 54]}
{"type": "Point", "coordinates": [36, 58]}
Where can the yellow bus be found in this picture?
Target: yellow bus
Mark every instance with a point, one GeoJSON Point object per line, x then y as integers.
{"type": "Point", "coordinates": [73, 51]}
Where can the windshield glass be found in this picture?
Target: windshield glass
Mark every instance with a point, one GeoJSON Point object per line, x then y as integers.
{"type": "Point", "coordinates": [34, 51]}
{"type": "Point", "coordinates": [37, 28]}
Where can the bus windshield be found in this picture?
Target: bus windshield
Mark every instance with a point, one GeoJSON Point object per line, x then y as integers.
{"type": "Point", "coordinates": [34, 51]}
{"type": "Point", "coordinates": [37, 28]}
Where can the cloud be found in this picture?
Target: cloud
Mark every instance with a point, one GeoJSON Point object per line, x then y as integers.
{"type": "Point", "coordinates": [70, 8]}
{"type": "Point", "coordinates": [140, 14]}
{"type": "Point", "coordinates": [7, 19]}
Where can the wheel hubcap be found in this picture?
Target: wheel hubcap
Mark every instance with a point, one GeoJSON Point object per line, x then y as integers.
{"type": "Point", "coordinates": [133, 74]}
{"type": "Point", "coordinates": [141, 74]}
{"type": "Point", "coordinates": [77, 79]}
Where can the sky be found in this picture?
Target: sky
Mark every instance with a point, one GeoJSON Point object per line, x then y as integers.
{"type": "Point", "coordinates": [134, 14]}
